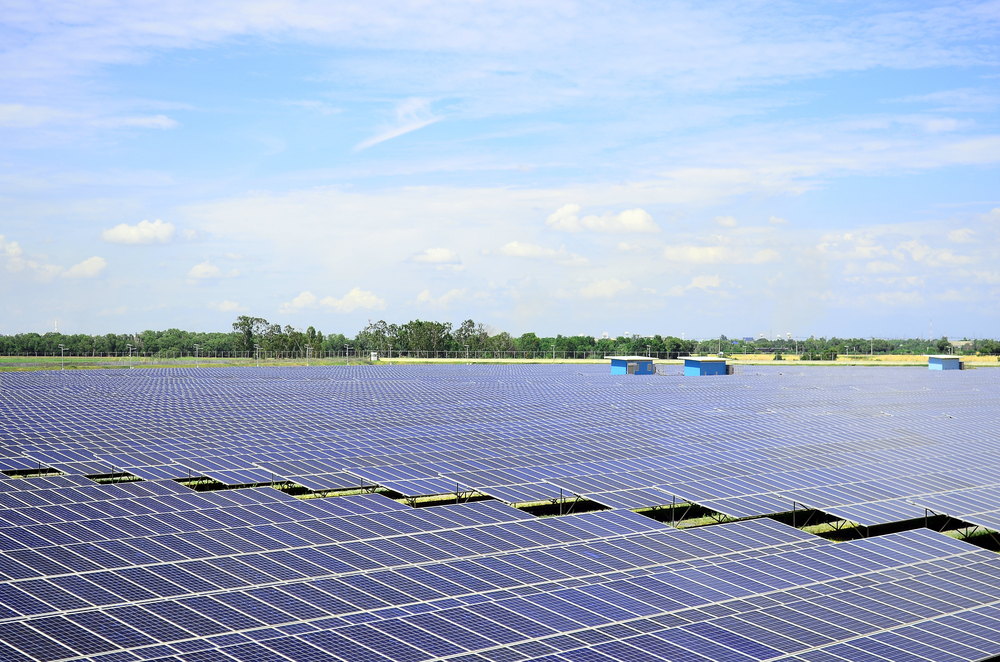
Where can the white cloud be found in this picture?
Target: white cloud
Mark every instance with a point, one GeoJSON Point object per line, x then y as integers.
{"type": "Point", "coordinates": [204, 271]}
{"type": "Point", "coordinates": [764, 256]}
{"type": "Point", "coordinates": [21, 117]}
{"type": "Point", "coordinates": [533, 251]}
{"type": "Point", "coordinates": [988, 277]}
{"type": "Point", "coordinates": [89, 268]}
{"type": "Point", "coordinates": [962, 236]}
{"type": "Point", "coordinates": [719, 255]}
{"type": "Point", "coordinates": [149, 122]}
{"type": "Point", "coordinates": [18, 116]}
{"type": "Point", "coordinates": [228, 306]}
{"type": "Point", "coordinates": [565, 219]}
{"type": "Point", "coordinates": [604, 288]}
{"type": "Point", "coordinates": [993, 215]}
{"type": "Point", "coordinates": [301, 302]}
{"type": "Point", "coordinates": [881, 267]}
{"type": "Point", "coordinates": [698, 282]}
{"type": "Point", "coordinates": [120, 310]}
{"type": "Point", "coordinates": [445, 259]}
{"type": "Point", "coordinates": [946, 257]}
{"type": "Point", "coordinates": [235, 256]}
{"type": "Point", "coordinates": [13, 255]}
{"type": "Point", "coordinates": [142, 232]}
{"type": "Point", "coordinates": [443, 300]}
{"type": "Point", "coordinates": [518, 249]}
{"type": "Point", "coordinates": [411, 114]}
{"type": "Point", "coordinates": [319, 107]}
{"type": "Point", "coordinates": [725, 221]}
{"type": "Point", "coordinates": [705, 282]}
{"type": "Point", "coordinates": [849, 246]}
{"type": "Point", "coordinates": [354, 300]}
{"type": "Point", "coordinates": [777, 220]}
{"type": "Point", "coordinates": [698, 254]}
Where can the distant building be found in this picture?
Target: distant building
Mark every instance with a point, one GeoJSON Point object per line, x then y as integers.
{"type": "Point", "coordinates": [698, 366]}
{"type": "Point", "coordinates": [631, 365]}
{"type": "Point", "coordinates": [944, 362]}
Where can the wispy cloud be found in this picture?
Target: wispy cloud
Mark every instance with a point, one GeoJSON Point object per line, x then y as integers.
{"type": "Point", "coordinates": [412, 114]}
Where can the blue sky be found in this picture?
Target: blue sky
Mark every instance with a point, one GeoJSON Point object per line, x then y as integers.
{"type": "Point", "coordinates": [704, 168]}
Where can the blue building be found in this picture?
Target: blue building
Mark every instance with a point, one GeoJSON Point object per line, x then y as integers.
{"type": "Point", "coordinates": [697, 366]}
{"type": "Point", "coordinates": [631, 365]}
{"type": "Point", "coordinates": [944, 362]}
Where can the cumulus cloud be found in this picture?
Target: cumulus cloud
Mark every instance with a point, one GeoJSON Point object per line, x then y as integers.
{"type": "Point", "coordinates": [443, 300]}
{"type": "Point", "coordinates": [934, 257]}
{"type": "Point", "coordinates": [89, 268]}
{"type": "Point", "coordinates": [204, 271]}
{"type": "Point", "coordinates": [143, 232]}
{"type": "Point", "coordinates": [566, 219]}
{"type": "Point", "coordinates": [719, 255]}
{"type": "Point", "coordinates": [698, 282]}
{"type": "Point", "coordinates": [604, 288]}
{"type": "Point", "coordinates": [533, 251]}
{"type": "Point", "coordinates": [437, 256]}
{"type": "Point", "coordinates": [851, 246]}
{"type": "Point", "coordinates": [962, 236]}
{"type": "Point", "coordinates": [725, 221]}
{"type": "Point", "coordinates": [992, 216]}
{"type": "Point", "coordinates": [228, 306]}
{"type": "Point", "coordinates": [443, 258]}
{"type": "Point", "coordinates": [301, 302]}
{"type": "Point", "coordinates": [13, 256]}
{"type": "Point", "coordinates": [777, 220]}
{"type": "Point", "coordinates": [354, 300]}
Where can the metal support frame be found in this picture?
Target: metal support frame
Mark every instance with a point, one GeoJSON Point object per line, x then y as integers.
{"type": "Point", "coordinates": [561, 500]}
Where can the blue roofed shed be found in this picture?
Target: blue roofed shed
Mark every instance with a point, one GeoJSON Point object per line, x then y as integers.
{"type": "Point", "coordinates": [631, 365]}
{"type": "Point", "coordinates": [697, 366]}
{"type": "Point", "coordinates": [944, 362]}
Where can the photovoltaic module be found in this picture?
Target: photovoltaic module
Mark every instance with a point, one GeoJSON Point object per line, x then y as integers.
{"type": "Point", "coordinates": [258, 514]}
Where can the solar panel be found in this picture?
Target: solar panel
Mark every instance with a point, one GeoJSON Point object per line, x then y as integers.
{"type": "Point", "coordinates": [121, 569]}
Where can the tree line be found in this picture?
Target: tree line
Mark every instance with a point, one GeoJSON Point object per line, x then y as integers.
{"type": "Point", "coordinates": [252, 334]}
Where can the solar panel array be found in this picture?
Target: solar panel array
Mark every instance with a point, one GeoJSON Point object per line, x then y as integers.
{"type": "Point", "coordinates": [153, 570]}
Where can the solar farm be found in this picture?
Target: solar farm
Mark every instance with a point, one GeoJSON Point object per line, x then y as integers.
{"type": "Point", "coordinates": [477, 513]}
